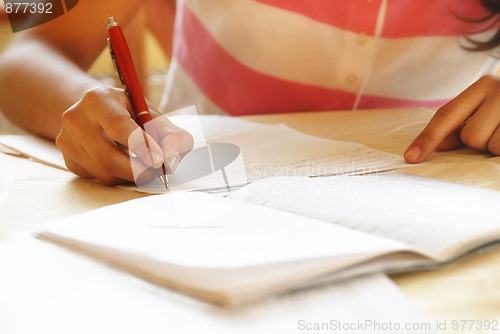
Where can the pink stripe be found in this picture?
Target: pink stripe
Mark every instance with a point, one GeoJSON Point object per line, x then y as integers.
{"type": "Point", "coordinates": [239, 90]}
{"type": "Point", "coordinates": [404, 18]}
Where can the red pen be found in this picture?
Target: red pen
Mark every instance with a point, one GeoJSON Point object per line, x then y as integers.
{"type": "Point", "coordinates": [125, 70]}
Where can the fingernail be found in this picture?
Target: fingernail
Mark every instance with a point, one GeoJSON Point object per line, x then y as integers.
{"type": "Point", "coordinates": [173, 162]}
{"type": "Point", "coordinates": [156, 160]}
{"type": "Point", "coordinates": [413, 154]}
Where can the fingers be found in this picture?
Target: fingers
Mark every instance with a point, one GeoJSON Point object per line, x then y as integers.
{"type": "Point", "coordinates": [175, 142]}
{"type": "Point", "coordinates": [494, 142]}
{"type": "Point", "coordinates": [96, 130]}
{"type": "Point", "coordinates": [470, 119]}
{"type": "Point", "coordinates": [478, 130]}
{"type": "Point", "coordinates": [452, 141]}
{"type": "Point", "coordinates": [95, 157]}
{"type": "Point", "coordinates": [122, 129]}
{"type": "Point", "coordinates": [89, 134]}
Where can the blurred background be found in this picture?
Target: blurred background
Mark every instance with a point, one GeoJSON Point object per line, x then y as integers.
{"type": "Point", "coordinates": [150, 59]}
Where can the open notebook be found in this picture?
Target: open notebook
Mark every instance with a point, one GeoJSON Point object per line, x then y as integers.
{"type": "Point", "coordinates": [284, 233]}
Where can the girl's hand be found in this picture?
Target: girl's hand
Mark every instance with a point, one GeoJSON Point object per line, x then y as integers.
{"type": "Point", "coordinates": [98, 130]}
{"type": "Point", "coordinates": [471, 119]}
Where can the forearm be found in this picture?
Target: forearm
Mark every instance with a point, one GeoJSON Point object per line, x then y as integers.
{"type": "Point", "coordinates": [38, 85]}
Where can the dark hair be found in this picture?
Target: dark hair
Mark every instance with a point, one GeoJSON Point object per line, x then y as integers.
{"type": "Point", "coordinates": [493, 20]}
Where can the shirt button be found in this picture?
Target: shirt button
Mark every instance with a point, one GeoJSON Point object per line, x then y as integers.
{"type": "Point", "coordinates": [352, 79]}
{"type": "Point", "coordinates": [361, 39]}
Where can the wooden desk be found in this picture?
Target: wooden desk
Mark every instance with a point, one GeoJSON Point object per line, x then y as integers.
{"type": "Point", "coordinates": [470, 289]}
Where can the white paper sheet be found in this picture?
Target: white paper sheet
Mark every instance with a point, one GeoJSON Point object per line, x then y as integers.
{"type": "Point", "coordinates": [264, 150]}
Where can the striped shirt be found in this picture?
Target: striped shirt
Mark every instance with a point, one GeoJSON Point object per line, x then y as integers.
{"type": "Point", "coordinates": [270, 56]}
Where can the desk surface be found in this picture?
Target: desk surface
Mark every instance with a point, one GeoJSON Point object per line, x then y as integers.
{"type": "Point", "coordinates": [33, 193]}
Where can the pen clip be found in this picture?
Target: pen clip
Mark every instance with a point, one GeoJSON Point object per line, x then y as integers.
{"type": "Point", "coordinates": [117, 68]}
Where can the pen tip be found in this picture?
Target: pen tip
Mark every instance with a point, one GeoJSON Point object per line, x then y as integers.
{"type": "Point", "coordinates": [164, 180]}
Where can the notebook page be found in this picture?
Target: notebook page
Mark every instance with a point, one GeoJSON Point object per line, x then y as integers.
{"type": "Point", "coordinates": [283, 151]}
{"type": "Point", "coordinates": [224, 251]}
{"type": "Point", "coordinates": [279, 150]}
{"type": "Point", "coordinates": [36, 148]}
{"type": "Point", "coordinates": [219, 233]}
{"type": "Point", "coordinates": [436, 217]}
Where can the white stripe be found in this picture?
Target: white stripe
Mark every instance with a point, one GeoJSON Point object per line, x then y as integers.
{"type": "Point", "coordinates": [426, 68]}
{"type": "Point", "coordinates": [293, 47]}
{"type": "Point", "coordinates": [283, 44]}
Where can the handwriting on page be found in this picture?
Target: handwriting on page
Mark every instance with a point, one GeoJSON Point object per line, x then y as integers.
{"type": "Point", "coordinates": [282, 151]}
{"type": "Point", "coordinates": [360, 160]}
{"type": "Point", "coordinates": [278, 150]}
